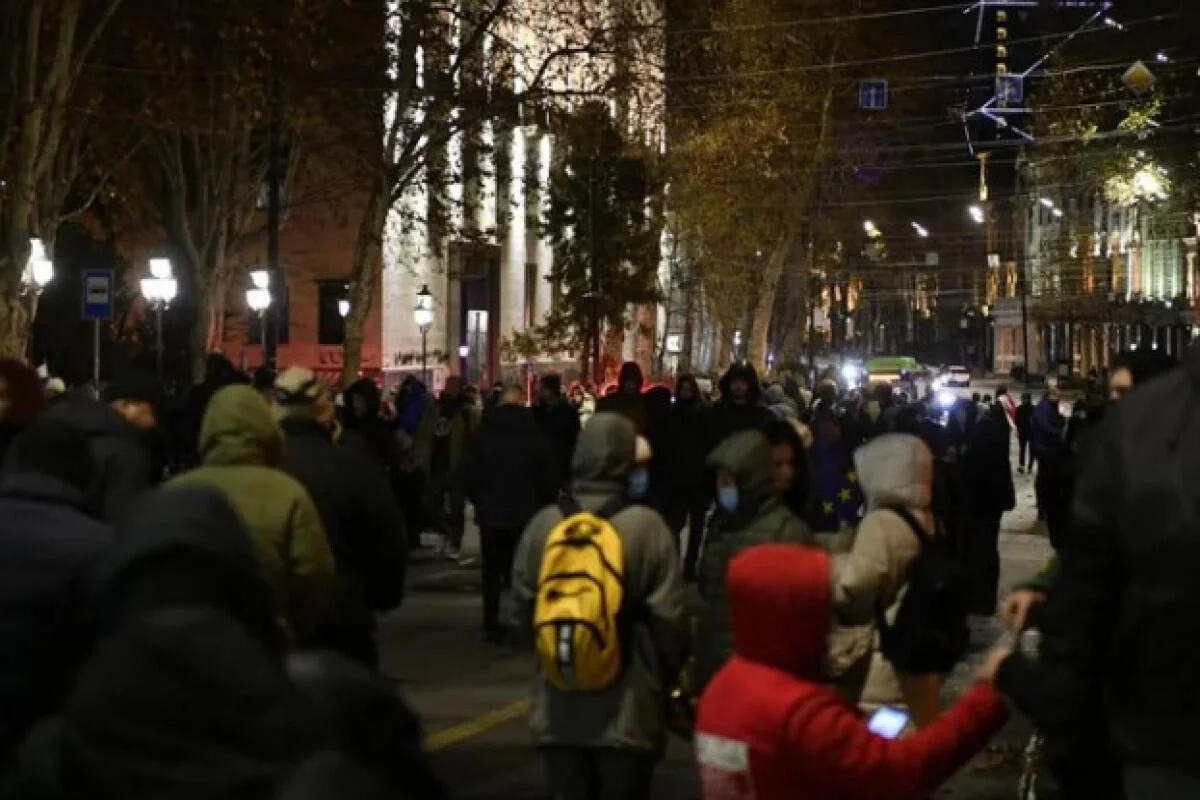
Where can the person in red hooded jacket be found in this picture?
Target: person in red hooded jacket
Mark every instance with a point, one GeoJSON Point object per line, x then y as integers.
{"type": "Point", "coordinates": [767, 729]}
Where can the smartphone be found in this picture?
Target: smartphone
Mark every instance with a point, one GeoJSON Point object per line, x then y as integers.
{"type": "Point", "coordinates": [888, 722]}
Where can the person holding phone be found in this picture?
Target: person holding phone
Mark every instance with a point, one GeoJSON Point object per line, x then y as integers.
{"type": "Point", "coordinates": [768, 728]}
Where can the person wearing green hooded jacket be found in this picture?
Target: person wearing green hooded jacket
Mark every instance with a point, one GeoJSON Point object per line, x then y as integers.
{"type": "Point", "coordinates": [241, 448]}
{"type": "Point", "coordinates": [750, 511]}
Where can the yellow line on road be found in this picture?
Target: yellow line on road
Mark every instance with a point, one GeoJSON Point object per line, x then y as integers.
{"type": "Point", "coordinates": [477, 726]}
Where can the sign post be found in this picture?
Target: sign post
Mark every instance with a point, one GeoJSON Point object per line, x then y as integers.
{"type": "Point", "coordinates": [97, 307]}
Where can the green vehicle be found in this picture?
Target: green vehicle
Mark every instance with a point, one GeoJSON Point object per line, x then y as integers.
{"type": "Point", "coordinates": [891, 370]}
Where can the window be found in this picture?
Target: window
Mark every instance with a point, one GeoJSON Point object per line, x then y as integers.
{"type": "Point", "coordinates": [283, 314]}
{"type": "Point", "coordinates": [331, 325]}
{"type": "Point", "coordinates": [531, 292]}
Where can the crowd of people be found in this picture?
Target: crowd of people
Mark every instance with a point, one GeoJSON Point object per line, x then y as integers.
{"type": "Point", "coordinates": [189, 586]}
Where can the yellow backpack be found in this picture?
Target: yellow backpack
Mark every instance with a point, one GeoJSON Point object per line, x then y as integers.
{"type": "Point", "coordinates": [580, 593]}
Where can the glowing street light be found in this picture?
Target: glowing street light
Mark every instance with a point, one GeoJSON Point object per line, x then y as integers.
{"type": "Point", "coordinates": [1047, 202]}
{"type": "Point", "coordinates": [921, 230]}
{"type": "Point", "coordinates": [343, 308]}
{"type": "Point", "coordinates": [871, 229]}
{"type": "Point", "coordinates": [1058, 212]}
{"type": "Point", "coordinates": [258, 300]}
{"type": "Point", "coordinates": [39, 270]}
{"type": "Point", "coordinates": [159, 290]}
{"type": "Point", "coordinates": [976, 213]}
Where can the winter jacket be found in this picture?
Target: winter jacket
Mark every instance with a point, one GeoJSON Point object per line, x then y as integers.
{"type": "Point", "coordinates": [510, 471]}
{"type": "Point", "coordinates": [630, 715]}
{"type": "Point", "coordinates": [987, 467]}
{"type": "Point", "coordinates": [631, 405]}
{"type": "Point", "coordinates": [125, 465]}
{"type": "Point", "coordinates": [364, 525]}
{"type": "Point", "coordinates": [242, 448]}
{"type": "Point", "coordinates": [729, 416]}
{"type": "Point", "coordinates": [559, 424]}
{"type": "Point", "coordinates": [178, 704]}
{"type": "Point", "coordinates": [1048, 428]}
{"type": "Point", "coordinates": [761, 518]}
{"type": "Point", "coordinates": [460, 421]}
{"type": "Point", "coordinates": [47, 544]}
{"type": "Point", "coordinates": [185, 546]}
{"type": "Point", "coordinates": [1024, 420]}
{"type": "Point", "coordinates": [768, 730]}
{"type": "Point", "coordinates": [896, 471]}
{"type": "Point", "coordinates": [1118, 620]}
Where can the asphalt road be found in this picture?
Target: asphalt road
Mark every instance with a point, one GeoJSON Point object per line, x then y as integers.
{"type": "Point", "coordinates": [473, 697]}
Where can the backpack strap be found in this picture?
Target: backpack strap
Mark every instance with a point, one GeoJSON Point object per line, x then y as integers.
{"type": "Point", "coordinates": [911, 521]}
{"type": "Point", "coordinates": [569, 507]}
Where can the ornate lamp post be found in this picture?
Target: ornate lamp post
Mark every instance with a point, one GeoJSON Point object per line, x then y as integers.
{"type": "Point", "coordinates": [423, 316]}
{"type": "Point", "coordinates": [258, 300]}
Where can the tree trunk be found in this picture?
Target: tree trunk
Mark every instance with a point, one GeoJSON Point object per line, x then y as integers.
{"type": "Point", "coordinates": [368, 253]}
{"type": "Point", "coordinates": [764, 298]}
{"type": "Point", "coordinates": [724, 350]}
{"type": "Point", "coordinates": [200, 328]}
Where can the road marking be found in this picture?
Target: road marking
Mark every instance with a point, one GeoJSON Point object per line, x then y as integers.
{"type": "Point", "coordinates": [477, 726]}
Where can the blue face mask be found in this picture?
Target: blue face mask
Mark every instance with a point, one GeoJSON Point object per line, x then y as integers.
{"type": "Point", "coordinates": [727, 498]}
{"type": "Point", "coordinates": [639, 483]}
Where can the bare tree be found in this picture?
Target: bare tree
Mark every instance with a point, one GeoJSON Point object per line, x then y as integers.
{"type": "Point", "coordinates": [47, 43]}
{"type": "Point", "coordinates": [453, 67]}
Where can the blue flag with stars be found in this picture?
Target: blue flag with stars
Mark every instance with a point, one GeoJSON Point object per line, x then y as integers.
{"type": "Point", "coordinates": [839, 495]}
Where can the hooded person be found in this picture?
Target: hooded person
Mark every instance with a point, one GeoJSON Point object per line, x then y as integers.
{"type": "Point", "coordinates": [750, 511]}
{"type": "Point", "coordinates": [242, 448]}
{"type": "Point", "coordinates": [121, 431]}
{"type": "Point", "coordinates": [896, 474]}
{"type": "Point", "coordinates": [364, 429]}
{"type": "Point", "coordinates": [767, 729]}
{"type": "Point", "coordinates": [362, 520]}
{"type": "Point", "coordinates": [606, 743]}
{"type": "Point", "coordinates": [779, 403]}
{"type": "Point", "coordinates": [627, 399]}
{"type": "Point", "coordinates": [50, 543]}
{"type": "Point", "coordinates": [740, 408]}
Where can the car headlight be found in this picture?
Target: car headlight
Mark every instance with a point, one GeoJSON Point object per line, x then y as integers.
{"type": "Point", "coordinates": [851, 373]}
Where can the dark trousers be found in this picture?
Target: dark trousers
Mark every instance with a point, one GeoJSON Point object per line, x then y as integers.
{"type": "Point", "coordinates": [981, 551]}
{"type": "Point", "coordinates": [499, 545]}
{"type": "Point", "coordinates": [697, 516]}
{"type": "Point", "coordinates": [1024, 448]}
{"type": "Point", "coordinates": [446, 506]}
{"type": "Point", "coordinates": [577, 773]}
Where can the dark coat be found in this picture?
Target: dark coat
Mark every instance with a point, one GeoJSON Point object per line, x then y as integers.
{"type": "Point", "coordinates": [559, 423]}
{"type": "Point", "coordinates": [729, 417]}
{"type": "Point", "coordinates": [363, 522]}
{"type": "Point", "coordinates": [47, 544]}
{"type": "Point", "coordinates": [1117, 624]}
{"type": "Point", "coordinates": [125, 464]}
{"type": "Point", "coordinates": [510, 470]}
{"type": "Point", "coordinates": [987, 466]}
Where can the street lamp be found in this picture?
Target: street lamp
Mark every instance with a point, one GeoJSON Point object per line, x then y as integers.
{"type": "Point", "coordinates": [1047, 202]}
{"type": "Point", "coordinates": [921, 230]}
{"type": "Point", "coordinates": [870, 228]}
{"type": "Point", "coordinates": [258, 299]}
{"type": "Point", "coordinates": [39, 270]}
{"type": "Point", "coordinates": [423, 316]}
{"type": "Point", "coordinates": [977, 214]}
{"type": "Point", "coordinates": [343, 308]}
{"type": "Point", "coordinates": [159, 290]}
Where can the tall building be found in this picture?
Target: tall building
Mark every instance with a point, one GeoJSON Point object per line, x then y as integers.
{"type": "Point", "coordinates": [487, 263]}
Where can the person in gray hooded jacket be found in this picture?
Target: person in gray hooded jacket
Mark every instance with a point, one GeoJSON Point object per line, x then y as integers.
{"type": "Point", "coordinates": [606, 744]}
{"type": "Point", "coordinates": [750, 511]}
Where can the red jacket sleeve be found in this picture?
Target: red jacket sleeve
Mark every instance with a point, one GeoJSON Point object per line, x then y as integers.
{"type": "Point", "coordinates": [833, 748]}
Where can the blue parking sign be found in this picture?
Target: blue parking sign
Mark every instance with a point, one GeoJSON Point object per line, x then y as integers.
{"type": "Point", "coordinates": [97, 294]}
{"type": "Point", "coordinates": [873, 95]}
